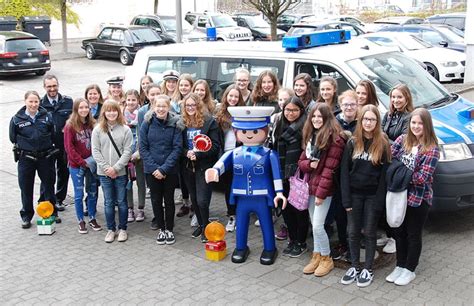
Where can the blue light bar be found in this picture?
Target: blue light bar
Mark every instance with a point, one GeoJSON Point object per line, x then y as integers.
{"type": "Point", "coordinates": [316, 39]}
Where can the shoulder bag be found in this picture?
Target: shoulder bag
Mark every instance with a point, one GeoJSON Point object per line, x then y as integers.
{"type": "Point", "coordinates": [299, 190]}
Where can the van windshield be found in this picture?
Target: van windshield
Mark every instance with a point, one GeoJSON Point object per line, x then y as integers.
{"type": "Point", "coordinates": [389, 69]}
{"type": "Point", "coordinates": [223, 21]}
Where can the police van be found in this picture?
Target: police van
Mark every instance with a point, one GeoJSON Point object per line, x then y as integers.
{"type": "Point", "coordinates": [348, 63]}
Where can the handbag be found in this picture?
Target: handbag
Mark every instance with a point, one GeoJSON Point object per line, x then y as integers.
{"type": "Point", "coordinates": [396, 207]}
{"type": "Point", "coordinates": [299, 191]}
{"type": "Point", "coordinates": [130, 168]}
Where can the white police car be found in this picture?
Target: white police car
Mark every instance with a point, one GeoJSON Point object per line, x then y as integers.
{"type": "Point", "coordinates": [348, 63]}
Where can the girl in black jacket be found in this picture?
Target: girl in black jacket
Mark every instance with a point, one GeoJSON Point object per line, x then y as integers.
{"type": "Point", "coordinates": [395, 121]}
{"type": "Point", "coordinates": [363, 168]}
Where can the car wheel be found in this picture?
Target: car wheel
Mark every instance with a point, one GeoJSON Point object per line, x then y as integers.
{"type": "Point", "coordinates": [432, 70]}
{"type": "Point", "coordinates": [220, 39]}
{"type": "Point", "coordinates": [41, 72]}
{"type": "Point", "coordinates": [125, 57]}
{"type": "Point", "coordinates": [90, 52]}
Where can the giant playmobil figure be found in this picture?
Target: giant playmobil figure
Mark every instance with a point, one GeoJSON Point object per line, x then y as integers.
{"type": "Point", "coordinates": [256, 179]}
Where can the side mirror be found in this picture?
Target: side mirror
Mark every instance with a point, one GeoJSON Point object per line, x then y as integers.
{"type": "Point", "coordinates": [158, 30]}
{"type": "Point", "coordinates": [443, 43]}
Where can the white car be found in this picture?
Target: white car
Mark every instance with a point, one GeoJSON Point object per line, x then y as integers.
{"type": "Point", "coordinates": [443, 64]}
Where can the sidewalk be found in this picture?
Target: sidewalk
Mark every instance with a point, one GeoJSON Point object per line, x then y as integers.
{"type": "Point", "coordinates": [74, 49]}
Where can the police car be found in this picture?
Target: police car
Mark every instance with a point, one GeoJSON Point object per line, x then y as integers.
{"type": "Point", "coordinates": [348, 63]}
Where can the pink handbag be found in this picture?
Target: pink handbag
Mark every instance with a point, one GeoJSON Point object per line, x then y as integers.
{"type": "Point", "coordinates": [299, 191]}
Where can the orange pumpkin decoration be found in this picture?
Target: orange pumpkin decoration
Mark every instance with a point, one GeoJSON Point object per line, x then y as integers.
{"type": "Point", "coordinates": [45, 209]}
{"type": "Point", "coordinates": [215, 231]}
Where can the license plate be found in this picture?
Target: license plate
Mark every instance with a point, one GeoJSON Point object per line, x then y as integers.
{"type": "Point", "coordinates": [30, 60]}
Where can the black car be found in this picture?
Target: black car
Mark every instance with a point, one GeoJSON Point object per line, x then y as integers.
{"type": "Point", "coordinates": [457, 20]}
{"type": "Point", "coordinates": [260, 29]}
{"type": "Point", "coordinates": [22, 52]}
{"type": "Point", "coordinates": [121, 42]}
{"type": "Point", "coordinates": [165, 26]}
{"type": "Point", "coordinates": [285, 21]}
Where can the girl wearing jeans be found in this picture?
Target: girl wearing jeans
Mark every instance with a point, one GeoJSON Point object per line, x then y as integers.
{"type": "Point", "coordinates": [111, 165]}
{"type": "Point", "coordinates": [363, 168]}
{"type": "Point", "coordinates": [323, 143]}
{"type": "Point", "coordinates": [418, 150]}
{"type": "Point", "coordinates": [77, 143]}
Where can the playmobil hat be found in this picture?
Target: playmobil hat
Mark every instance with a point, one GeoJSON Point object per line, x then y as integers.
{"type": "Point", "coordinates": [170, 75]}
{"type": "Point", "coordinates": [117, 80]}
{"type": "Point", "coordinates": [250, 117]}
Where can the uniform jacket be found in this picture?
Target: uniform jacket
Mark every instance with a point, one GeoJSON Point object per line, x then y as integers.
{"type": "Point", "coordinates": [77, 145]}
{"type": "Point", "coordinates": [255, 173]}
{"type": "Point", "coordinates": [321, 178]}
{"type": "Point", "coordinates": [161, 144]}
{"type": "Point", "coordinates": [60, 113]}
{"type": "Point", "coordinates": [395, 124]}
{"type": "Point", "coordinates": [32, 135]}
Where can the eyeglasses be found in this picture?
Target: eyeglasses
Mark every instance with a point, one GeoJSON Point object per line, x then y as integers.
{"type": "Point", "coordinates": [289, 110]}
{"type": "Point", "coordinates": [242, 80]}
{"type": "Point", "coordinates": [349, 105]}
{"type": "Point", "coordinates": [190, 105]}
{"type": "Point", "coordinates": [369, 120]}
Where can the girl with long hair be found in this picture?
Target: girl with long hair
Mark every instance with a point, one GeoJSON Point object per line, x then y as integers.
{"type": "Point", "coordinates": [184, 86]}
{"type": "Point", "coordinates": [170, 82]}
{"type": "Point", "coordinates": [363, 189]}
{"type": "Point", "coordinates": [77, 144]}
{"type": "Point", "coordinates": [196, 121]}
{"type": "Point", "coordinates": [144, 82]}
{"type": "Point", "coordinates": [366, 93]}
{"type": "Point", "coordinates": [93, 95]}
{"type": "Point", "coordinates": [327, 93]}
{"type": "Point", "coordinates": [265, 92]}
{"type": "Point", "coordinates": [201, 88]}
{"type": "Point", "coordinates": [111, 166]}
{"type": "Point", "coordinates": [244, 83]}
{"type": "Point", "coordinates": [115, 91]}
{"type": "Point", "coordinates": [304, 89]}
{"type": "Point", "coordinates": [418, 150]}
{"type": "Point", "coordinates": [323, 144]}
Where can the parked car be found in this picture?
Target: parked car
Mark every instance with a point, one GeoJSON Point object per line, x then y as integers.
{"type": "Point", "coordinates": [388, 8]}
{"type": "Point", "coordinates": [22, 52]}
{"type": "Point", "coordinates": [457, 20]}
{"type": "Point", "coordinates": [226, 28]}
{"type": "Point", "coordinates": [303, 28]}
{"type": "Point", "coordinates": [349, 19]}
{"type": "Point", "coordinates": [259, 27]}
{"type": "Point", "coordinates": [435, 34]}
{"type": "Point", "coordinates": [444, 65]}
{"type": "Point", "coordinates": [285, 21]}
{"type": "Point", "coordinates": [121, 42]}
{"type": "Point", "coordinates": [165, 26]}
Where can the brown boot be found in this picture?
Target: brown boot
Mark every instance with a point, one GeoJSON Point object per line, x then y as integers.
{"type": "Point", "coordinates": [313, 264]}
{"type": "Point", "coordinates": [325, 266]}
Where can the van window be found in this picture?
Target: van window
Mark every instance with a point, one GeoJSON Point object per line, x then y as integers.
{"type": "Point", "coordinates": [198, 68]}
{"type": "Point", "coordinates": [202, 21]}
{"type": "Point", "coordinates": [317, 71]}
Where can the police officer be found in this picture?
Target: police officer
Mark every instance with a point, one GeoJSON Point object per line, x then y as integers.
{"type": "Point", "coordinates": [32, 132]}
{"type": "Point", "coordinates": [256, 184]}
{"type": "Point", "coordinates": [60, 108]}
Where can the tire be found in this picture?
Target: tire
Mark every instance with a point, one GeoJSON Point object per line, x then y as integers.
{"type": "Point", "coordinates": [40, 72]}
{"type": "Point", "coordinates": [220, 39]}
{"type": "Point", "coordinates": [90, 52]}
{"type": "Point", "coordinates": [432, 70]}
{"type": "Point", "coordinates": [125, 57]}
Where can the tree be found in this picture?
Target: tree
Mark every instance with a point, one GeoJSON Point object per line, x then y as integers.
{"type": "Point", "coordinates": [272, 9]}
{"type": "Point", "coordinates": [155, 6]}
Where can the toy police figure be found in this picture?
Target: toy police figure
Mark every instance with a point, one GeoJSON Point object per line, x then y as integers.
{"type": "Point", "coordinates": [32, 133]}
{"type": "Point", "coordinates": [256, 179]}
{"type": "Point", "coordinates": [60, 108]}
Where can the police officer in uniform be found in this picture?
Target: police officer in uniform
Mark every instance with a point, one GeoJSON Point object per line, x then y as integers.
{"type": "Point", "coordinates": [60, 108]}
{"type": "Point", "coordinates": [32, 132]}
{"type": "Point", "coordinates": [256, 183]}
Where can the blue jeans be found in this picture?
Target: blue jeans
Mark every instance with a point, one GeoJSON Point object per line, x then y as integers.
{"type": "Point", "coordinates": [318, 216]}
{"type": "Point", "coordinates": [77, 176]}
{"type": "Point", "coordinates": [115, 192]}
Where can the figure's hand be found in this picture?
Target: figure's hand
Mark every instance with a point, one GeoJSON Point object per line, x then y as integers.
{"type": "Point", "coordinates": [191, 155]}
{"type": "Point", "coordinates": [280, 196]}
{"type": "Point", "coordinates": [158, 175]}
{"type": "Point", "coordinates": [211, 175]}
{"type": "Point", "coordinates": [135, 156]}
{"type": "Point", "coordinates": [110, 172]}
{"type": "Point", "coordinates": [318, 201]}
{"type": "Point", "coordinates": [314, 164]}
{"type": "Point", "coordinates": [349, 209]}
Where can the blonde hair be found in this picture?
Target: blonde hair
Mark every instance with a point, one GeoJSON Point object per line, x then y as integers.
{"type": "Point", "coordinates": [208, 100]}
{"type": "Point", "coordinates": [197, 120]}
{"type": "Point", "coordinates": [406, 94]}
{"type": "Point", "coordinates": [110, 105]}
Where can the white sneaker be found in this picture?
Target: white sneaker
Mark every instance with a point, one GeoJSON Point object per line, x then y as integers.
{"type": "Point", "coordinates": [122, 236]}
{"type": "Point", "coordinates": [390, 247]}
{"type": "Point", "coordinates": [110, 236]}
{"type": "Point", "coordinates": [405, 278]}
{"type": "Point", "coordinates": [382, 241]}
{"type": "Point", "coordinates": [257, 223]}
{"type": "Point", "coordinates": [230, 227]}
{"type": "Point", "coordinates": [194, 221]}
{"type": "Point", "coordinates": [394, 275]}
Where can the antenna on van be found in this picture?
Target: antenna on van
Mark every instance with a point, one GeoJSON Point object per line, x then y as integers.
{"type": "Point", "coordinates": [316, 39]}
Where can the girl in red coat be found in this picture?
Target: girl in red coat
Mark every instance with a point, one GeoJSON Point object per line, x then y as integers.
{"type": "Point", "coordinates": [323, 143]}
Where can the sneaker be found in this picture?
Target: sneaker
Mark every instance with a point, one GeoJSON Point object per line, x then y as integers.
{"type": "Point", "coordinates": [110, 236]}
{"type": "Point", "coordinates": [405, 278]}
{"type": "Point", "coordinates": [230, 227]}
{"type": "Point", "coordinates": [257, 223]}
{"type": "Point", "coordinates": [82, 227]}
{"type": "Point", "coordinates": [338, 251]}
{"type": "Point", "coordinates": [194, 221]}
{"type": "Point", "coordinates": [60, 206]}
{"type": "Point", "coordinates": [197, 232]}
{"type": "Point", "coordinates": [282, 234]}
{"type": "Point", "coordinates": [365, 278]}
{"type": "Point", "coordinates": [183, 211]}
{"type": "Point", "coordinates": [161, 238]}
{"type": "Point", "coordinates": [392, 277]}
{"type": "Point", "coordinates": [131, 215]}
{"type": "Point", "coordinates": [94, 225]}
{"type": "Point", "coordinates": [25, 224]}
{"type": "Point", "coordinates": [289, 248]}
{"type": "Point", "coordinates": [203, 238]}
{"type": "Point", "coordinates": [350, 276]}
{"type": "Point", "coordinates": [154, 225]}
{"type": "Point", "coordinates": [382, 241]}
{"type": "Point", "coordinates": [122, 236]}
{"type": "Point", "coordinates": [390, 247]}
{"type": "Point", "coordinates": [140, 215]}
{"type": "Point", "coordinates": [169, 237]}
{"type": "Point", "coordinates": [299, 249]}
